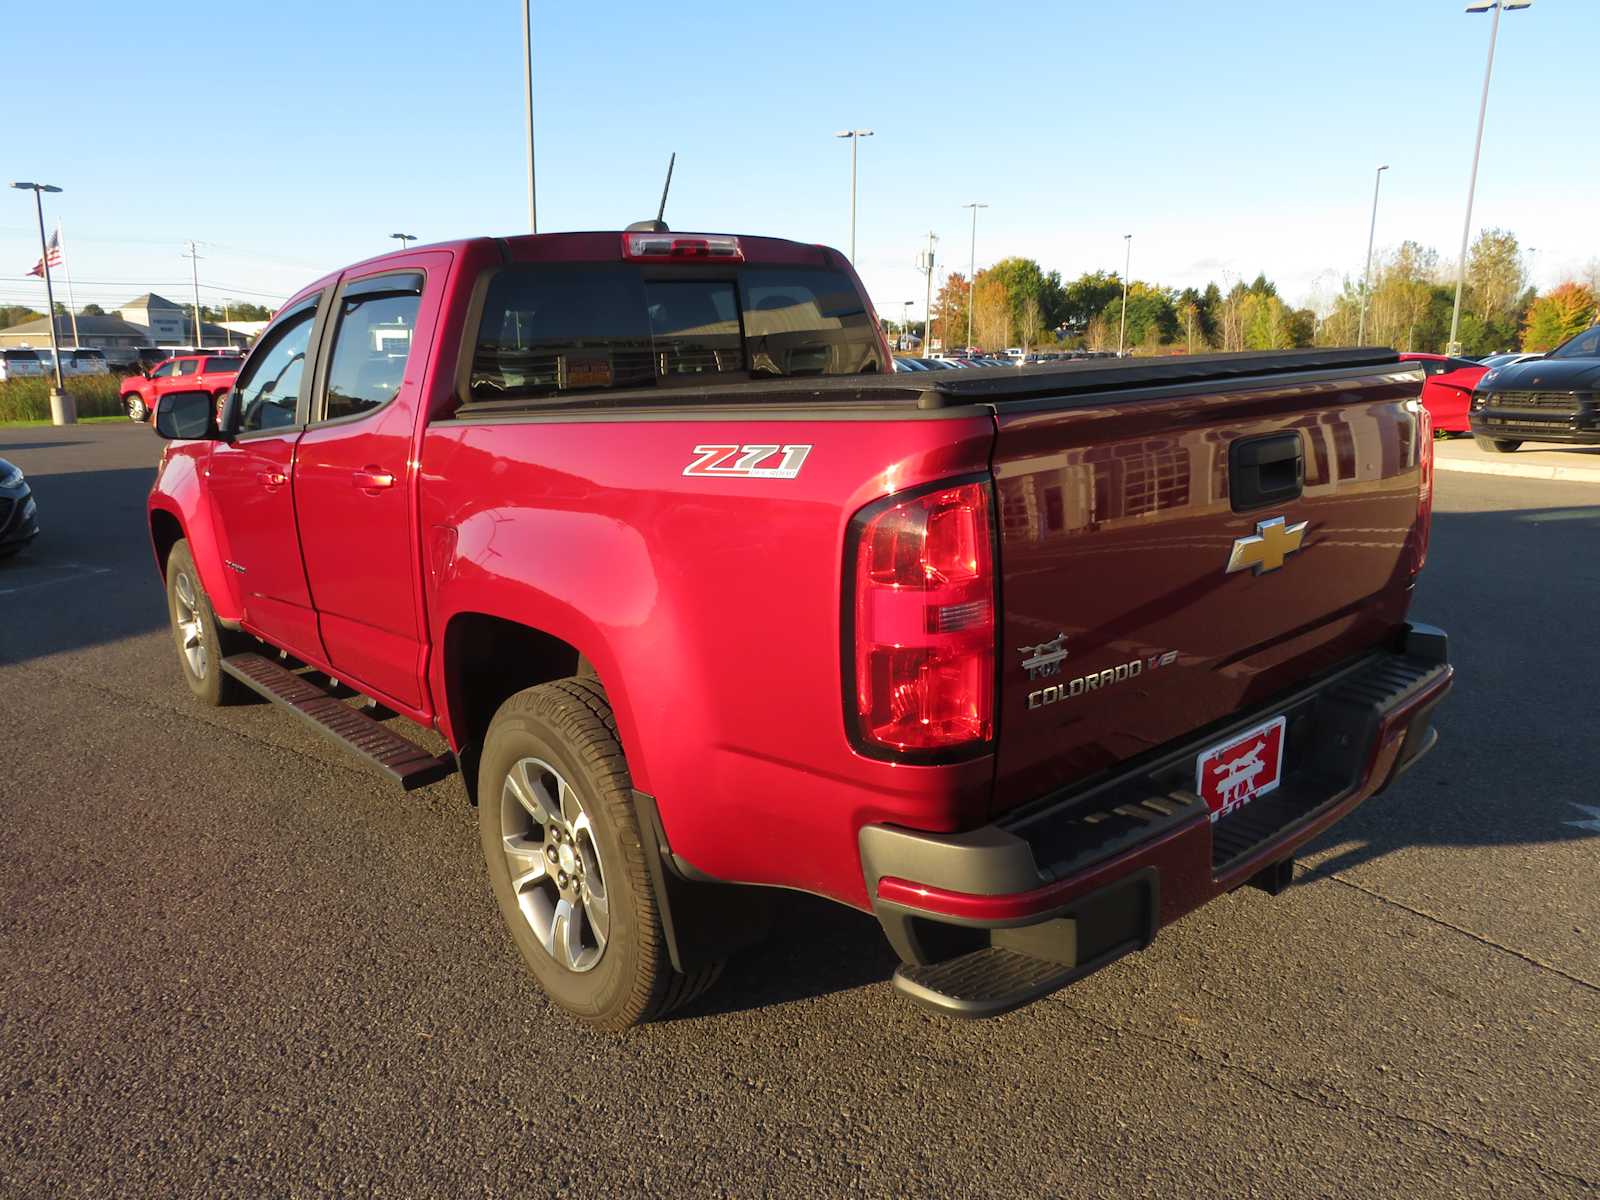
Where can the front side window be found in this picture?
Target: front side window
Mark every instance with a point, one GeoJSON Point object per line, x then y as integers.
{"type": "Point", "coordinates": [188, 366]}
{"type": "Point", "coordinates": [371, 346]}
{"type": "Point", "coordinates": [269, 387]}
{"type": "Point", "coordinates": [163, 371]}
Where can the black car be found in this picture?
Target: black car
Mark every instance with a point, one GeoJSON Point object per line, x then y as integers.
{"type": "Point", "coordinates": [1551, 399]}
{"type": "Point", "coordinates": [19, 524]}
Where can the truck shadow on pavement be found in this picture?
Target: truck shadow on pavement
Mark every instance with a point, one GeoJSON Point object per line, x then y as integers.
{"type": "Point", "coordinates": [88, 579]}
{"type": "Point", "coordinates": [1516, 759]}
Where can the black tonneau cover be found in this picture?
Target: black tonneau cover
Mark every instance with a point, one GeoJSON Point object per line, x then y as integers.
{"type": "Point", "coordinates": [950, 389]}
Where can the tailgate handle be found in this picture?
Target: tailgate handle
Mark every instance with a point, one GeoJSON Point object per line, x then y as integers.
{"type": "Point", "coordinates": [1266, 470]}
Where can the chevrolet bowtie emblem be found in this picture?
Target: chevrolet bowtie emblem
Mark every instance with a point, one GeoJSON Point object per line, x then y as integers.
{"type": "Point", "coordinates": [1265, 550]}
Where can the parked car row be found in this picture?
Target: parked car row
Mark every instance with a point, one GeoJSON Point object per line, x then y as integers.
{"type": "Point", "coordinates": [27, 363]}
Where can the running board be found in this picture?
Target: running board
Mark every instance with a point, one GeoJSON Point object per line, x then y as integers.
{"type": "Point", "coordinates": [984, 983]}
{"type": "Point", "coordinates": [380, 748]}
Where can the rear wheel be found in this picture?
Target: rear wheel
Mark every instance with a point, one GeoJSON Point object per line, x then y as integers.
{"type": "Point", "coordinates": [201, 642]}
{"type": "Point", "coordinates": [1503, 445]}
{"type": "Point", "coordinates": [136, 407]}
{"type": "Point", "coordinates": [567, 863]}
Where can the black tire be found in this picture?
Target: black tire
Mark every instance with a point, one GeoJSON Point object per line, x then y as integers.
{"type": "Point", "coordinates": [568, 725]}
{"type": "Point", "coordinates": [1503, 445]}
{"type": "Point", "coordinates": [210, 685]}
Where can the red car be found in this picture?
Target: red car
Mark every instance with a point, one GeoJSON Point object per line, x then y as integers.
{"type": "Point", "coordinates": [187, 373]}
{"type": "Point", "coordinates": [1447, 389]}
{"type": "Point", "coordinates": [700, 595]}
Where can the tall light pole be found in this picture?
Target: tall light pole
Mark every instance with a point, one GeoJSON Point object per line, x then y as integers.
{"type": "Point", "coordinates": [62, 410]}
{"type": "Point", "coordinates": [972, 270]}
{"type": "Point", "coordinates": [927, 310]}
{"type": "Point", "coordinates": [1366, 278]}
{"type": "Point", "coordinates": [527, 62]}
{"type": "Point", "coordinates": [194, 268]}
{"type": "Point", "coordinates": [405, 239]}
{"type": "Point", "coordinates": [855, 136]}
{"type": "Point", "coordinates": [905, 325]}
{"type": "Point", "coordinates": [1478, 6]}
{"type": "Point", "coordinates": [1127, 265]}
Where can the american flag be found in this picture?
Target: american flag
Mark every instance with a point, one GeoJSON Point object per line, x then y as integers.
{"type": "Point", "coordinates": [52, 255]}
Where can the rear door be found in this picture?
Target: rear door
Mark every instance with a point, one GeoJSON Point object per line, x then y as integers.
{"type": "Point", "coordinates": [353, 492]}
{"type": "Point", "coordinates": [1124, 627]}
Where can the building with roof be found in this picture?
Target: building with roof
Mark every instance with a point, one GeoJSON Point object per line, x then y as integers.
{"type": "Point", "coordinates": [103, 333]}
{"type": "Point", "coordinates": [170, 324]}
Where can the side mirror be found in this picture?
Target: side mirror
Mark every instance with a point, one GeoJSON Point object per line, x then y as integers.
{"type": "Point", "coordinates": [187, 416]}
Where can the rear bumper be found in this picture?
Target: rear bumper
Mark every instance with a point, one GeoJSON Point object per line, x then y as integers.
{"type": "Point", "coordinates": [988, 920]}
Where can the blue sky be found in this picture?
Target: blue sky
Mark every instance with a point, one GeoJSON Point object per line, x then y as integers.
{"type": "Point", "coordinates": [1229, 137]}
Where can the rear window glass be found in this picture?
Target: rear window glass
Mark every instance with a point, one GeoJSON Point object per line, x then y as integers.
{"type": "Point", "coordinates": [557, 329]}
{"type": "Point", "coordinates": [21, 356]}
{"type": "Point", "coordinates": [227, 366]}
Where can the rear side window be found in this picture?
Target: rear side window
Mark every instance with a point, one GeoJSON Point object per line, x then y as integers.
{"type": "Point", "coordinates": [372, 343]}
{"type": "Point", "coordinates": [222, 366]}
{"type": "Point", "coordinates": [557, 329]}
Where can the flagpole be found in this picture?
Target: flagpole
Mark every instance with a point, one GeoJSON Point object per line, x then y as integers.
{"type": "Point", "coordinates": [66, 269]}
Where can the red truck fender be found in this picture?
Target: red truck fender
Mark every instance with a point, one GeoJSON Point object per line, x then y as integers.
{"type": "Point", "coordinates": [179, 510]}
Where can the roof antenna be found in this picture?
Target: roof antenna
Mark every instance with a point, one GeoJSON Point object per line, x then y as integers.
{"type": "Point", "coordinates": [658, 225]}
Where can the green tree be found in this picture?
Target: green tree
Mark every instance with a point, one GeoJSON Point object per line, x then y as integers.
{"type": "Point", "coordinates": [1086, 297]}
{"type": "Point", "coordinates": [91, 310]}
{"type": "Point", "coordinates": [1495, 275]}
{"type": "Point", "coordinates": [1152, 316]}
{"type": "Point", "coordinates": [17, 314]}
{"type": "Point", "coordinates": [1564, 312]}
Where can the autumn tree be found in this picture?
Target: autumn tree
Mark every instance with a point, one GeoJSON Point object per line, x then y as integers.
{"type": "Point", "coordinates": [1560, 314]}
{"type": "Point", "coordinates": [950, 311]}
{"type": "Point", "coordinates": [17, 314]}
{"type": "Point", "coordinates": [991, 312]}
{"type": "Point", "coordinates": [1494, 275]}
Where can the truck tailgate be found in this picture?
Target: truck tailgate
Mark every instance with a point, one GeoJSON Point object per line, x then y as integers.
{"type": "Point", "coordinates": [1119, 514]}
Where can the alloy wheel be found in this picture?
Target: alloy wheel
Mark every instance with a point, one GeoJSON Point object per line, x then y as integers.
{"type": "Point", "coordinates": [554, 864]}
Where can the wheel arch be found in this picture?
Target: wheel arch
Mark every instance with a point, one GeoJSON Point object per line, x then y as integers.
{"type": "Point", "coordinates": [485, 659]}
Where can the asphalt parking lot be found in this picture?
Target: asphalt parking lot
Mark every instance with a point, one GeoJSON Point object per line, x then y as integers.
{"type": "Point", "coordinates": [231, 963]}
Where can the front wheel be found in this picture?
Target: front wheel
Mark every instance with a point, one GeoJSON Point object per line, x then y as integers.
{"type": "Point", "coordinates": [1502, 445]}
{"type": "Point", "coordinates": [201, 641]}
{"type": "Point", "coordinates": [566, 861]}
{"type": "Point", "coordinates": [136, 407]}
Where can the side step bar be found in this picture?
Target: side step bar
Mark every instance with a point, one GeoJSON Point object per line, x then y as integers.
{"type": "Point", "coordinates": [403, 761]}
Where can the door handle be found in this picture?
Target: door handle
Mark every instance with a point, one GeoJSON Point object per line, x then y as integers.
{"type": "Point", "coordinates": [272, 479]}
{"type": "Point", "coordinates": [372, 479]}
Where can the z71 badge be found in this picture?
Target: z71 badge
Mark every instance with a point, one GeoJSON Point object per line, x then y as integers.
{"type": "Point", "coordinates": [748, 462]}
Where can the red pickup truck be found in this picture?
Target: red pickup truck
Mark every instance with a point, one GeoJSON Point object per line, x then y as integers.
{"type": "Point", "coordinates": [141, 394]}
{"type": "Point", "coordinates": [1027, 664]}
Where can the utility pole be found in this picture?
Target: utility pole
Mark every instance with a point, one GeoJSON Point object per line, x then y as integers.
{"type": "Point", "coordinates": [66, 269]}
{"type": "Point", "coordinates": [927, 311]}
{"type": "Point", "coordinates": [1479, 6]}
{"type": "Point", "coordinates": [1127, 265]}
{"type": "Point", "coordinates": [225, 326]}
{"type": "Point", "coordinates": [972, 270]}
{"type": "Point", "coordinates": [527, 59]}
{"type": "Point", "coordinates": [1366, 278]}
{"type": "Point", "coordinates": [62, 409]}
{"type": "Point", "coordinates": [194, 271]}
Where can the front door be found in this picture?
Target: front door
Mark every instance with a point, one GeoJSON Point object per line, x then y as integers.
{"type": "Point", "coordinates": [353, 477]}
{"type": "Point", "coordinates": [251, 486]}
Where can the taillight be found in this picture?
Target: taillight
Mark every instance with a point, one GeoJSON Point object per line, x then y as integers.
{"type": "Point", "coordinates": [1424, 527]}
{"type": "Point", "coordinates": [673, 247]}
{"type": "Point", "coordinates": [923, 623]}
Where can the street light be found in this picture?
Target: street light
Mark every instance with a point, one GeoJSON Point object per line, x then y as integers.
{"type": "Point", "coordinates": [1478, 6]}
{"type": "Point", "coordinates": [972, 270]}
{"type": "Point", "coordinates": [405, 239]}
{"type": "Point", "coordinates": [855, 136]}
{"type": "Point", "coordinates": [62, 410]}
{"type": "Point", "coordinates": [926, 265]}
{"type": "Point", "coordinates": [1127, 265]}
{"type": "Point", "coordinates": [905, 324]}
{"type": "Point", "coordinates": [1366, 279]}
{"type": "Point", "coordinates": [527, 61]}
